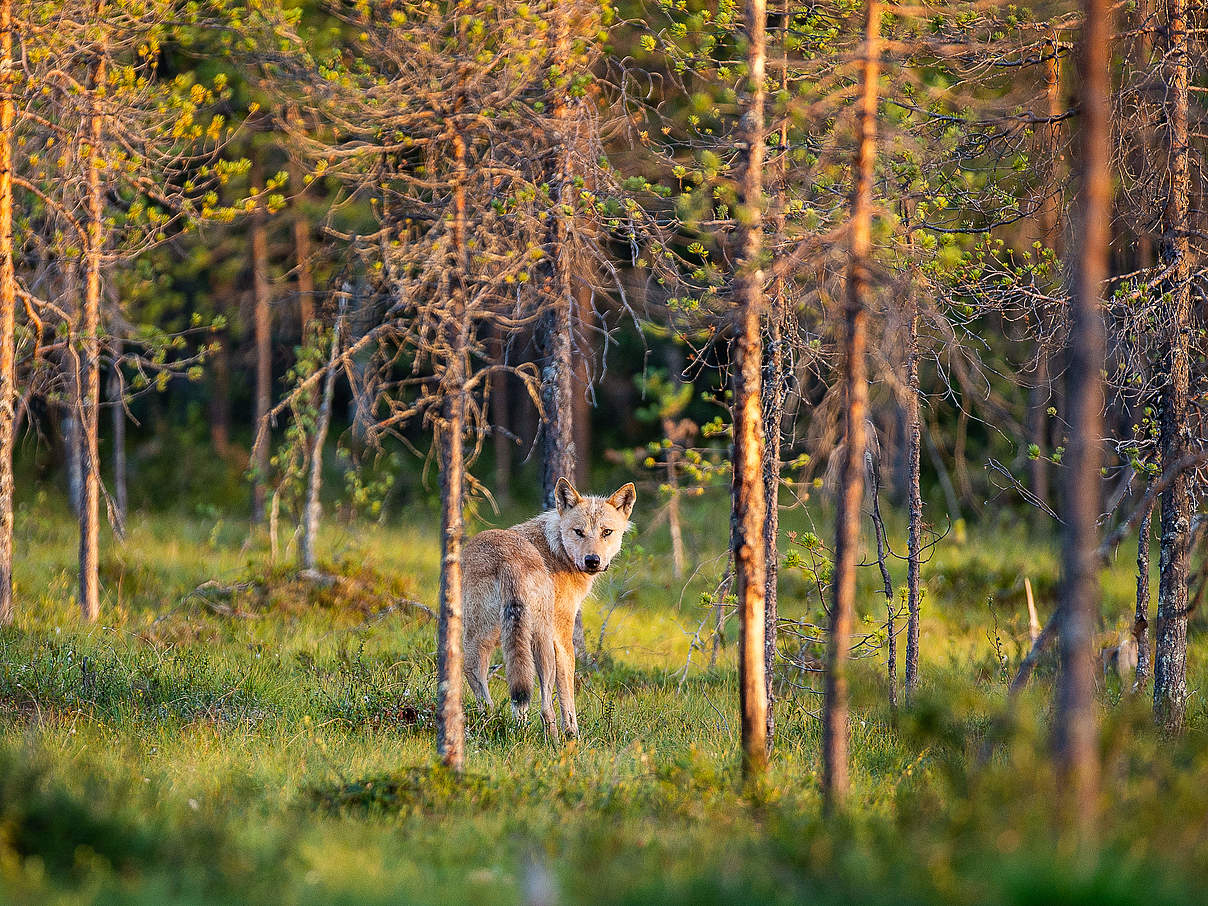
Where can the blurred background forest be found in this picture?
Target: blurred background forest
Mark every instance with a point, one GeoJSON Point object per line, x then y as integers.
{"type": "Point", "coordinates": [975, 152]}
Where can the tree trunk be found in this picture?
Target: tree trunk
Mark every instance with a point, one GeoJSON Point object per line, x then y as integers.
{"type": "Point", "coordinates": [8, 311]}
{"type": "Point", "coordinates": [581, 386]}
{"type": "Point", "coordinates": [69, 426]}
{"type": "Point", "coordinates": [1075, 727]}
{"type": "Point", "coordinates": [1170, 654]}
{"type": "Point", "coordinates": [891, 638]}
{"type": "Point", "coordinates": [116, 394]}
{"type": "Point", "coordinates": [363, 378]}
{"type": "Point", "coordinates": [773, 414]}
{"type": "Point", "coordinates": [314, 482]}
{"type": "Point", "coordinates": [558, 456]}
{"type": "Point", "coordinates": [1038, 430]}
{"type": "Point", "coordinates": [90, 363]}
{"type": "Point", "coordinates": [1050, 230]}
{"type": "Point", "coordinates": [674, 526]}
{"type": "Point", "coordinates": [847, 535]}
{"type": "Point", "coordinates": [450, 716]}
{"type": "Point", "coordinates": [262, 301]}
{"type": "Point", "coordinates": [1141, 621]}
{"type": "Point", "coordinates": [556, 331]}
{"type": "Point", "coordinates": [680, 436]}
{"type": "Point", "coordinates": [1050, 212]}
{"type": "Point", "coordinates": [302, 257]}
{"type": "Point", "coordinates": [501, 418]}
{"type": "Point", "coordinates": [749, 504]}
{"type": "Point", "coordinates": [1144, 30]}
{"type": "Point", "coordinates": [772, 392]}
{"type": "Point", "coordinates": [914, 544]}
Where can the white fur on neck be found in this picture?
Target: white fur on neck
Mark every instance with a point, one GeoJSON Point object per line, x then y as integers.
{"type": "Point", "coordinates": [551, 525]}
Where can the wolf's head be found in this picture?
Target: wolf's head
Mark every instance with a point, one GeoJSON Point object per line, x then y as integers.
{"type": "Point", "coordinates": [591, 528]}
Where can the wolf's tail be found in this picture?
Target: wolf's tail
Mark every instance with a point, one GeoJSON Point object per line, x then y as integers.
{"type": "Point", "coordinates": [517, 641]}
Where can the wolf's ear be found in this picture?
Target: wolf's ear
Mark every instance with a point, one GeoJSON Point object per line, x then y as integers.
{"type": "Point", "coordinates": [624, 499]}
{"type": "Point", "coordinates": [565, 496]}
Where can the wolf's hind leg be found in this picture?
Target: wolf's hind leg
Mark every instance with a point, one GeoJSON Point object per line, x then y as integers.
{"type": "Point", "coordinates": [477, 660]}
{"type": "Point", "coordinates": [520, 709]}
{"type": "Point", "coordinates": [517, 598]}
{"type": "Point", "coordinates": [547, 667]}
{"type": "Point", "coordinates": [518, 656]}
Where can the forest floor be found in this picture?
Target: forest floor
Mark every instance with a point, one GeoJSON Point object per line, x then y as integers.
{"type": "Point", "coordinates": [232, 733]}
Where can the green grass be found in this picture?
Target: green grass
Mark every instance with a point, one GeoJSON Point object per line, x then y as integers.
{"type": "Point", "coordinates": [274, 742]}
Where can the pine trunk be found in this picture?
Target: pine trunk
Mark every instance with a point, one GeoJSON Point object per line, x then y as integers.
{"type": "Point", "coordinates": [451, 721]}
{"type": "Point", "coordinates": [263, 316]}
{"type": "Point", "coordinates": [1142, 62]}
{"type": "Point", "coordinates": [1075, 726]}
{"type": "Point", "coordinates": [555, 335]}
{"type": "Point", "coordinates": [773, 414]}
{"type": "Point", "coordinates": [302, 258]}
{"type": "Point", "coordinates": [581, 386]}
{"type": "Point", "coordinates": [674, 524]}
{"type": "Point", "coordinates": [69, 426]}
{"type": "Point", "coordinates": [772, 392]}
{"type": "Point", "coordinates": [847, 536]}
{"type": "Point", "coordinates": [1141, 620]}
{"type": "Point", "coordinates": [891, 635]}
{"type": "Point", "coordinates": [314, 482]}
{"type": "Point", "coordinates": [1038, 431]}
{"type": "Point", "coordinates": [90, 365]}
{"type": "Point", "coordinates": [914, 544]}
{"type": "Point", "coordinates": [1050, 230]}
{"type": "Point", "coordinates": [557, 372]}
{"type": "Point", "coordinates": [501, 418]}
{"type": "Point", "coordinates": [749, 505]}
{"type": "Point", "coordinates": [8, 310]}
{"type": "Point", "coordinates": [1170, 643]}
{"type": "Point", "coordinates": [121, 501]}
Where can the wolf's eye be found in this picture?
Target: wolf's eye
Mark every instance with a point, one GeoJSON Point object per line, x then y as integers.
{"type": "Point", "coordinates": [580, 533]}
{"type": "Point", "coordinates": [606, 533]}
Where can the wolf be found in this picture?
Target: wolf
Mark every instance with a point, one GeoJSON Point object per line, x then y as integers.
{"type": "Point", "coordinates": [523, 586]}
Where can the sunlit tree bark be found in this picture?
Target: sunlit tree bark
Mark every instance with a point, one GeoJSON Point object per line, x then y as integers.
{"type": "Point", "coordinates": [451, 721]}
{"type": "Point", "coordinates": [263, 391]}
{"type": "Point", "coordinates": [8, 309]}
{"type": "Point", "coordinates": [1075, 726]}
{"type": "Point", "coordinates": [89, 364]}
{"type": "Point", "coordinates": [748, 490]}
{"type": "Point", "coordinates": [835, 780]}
